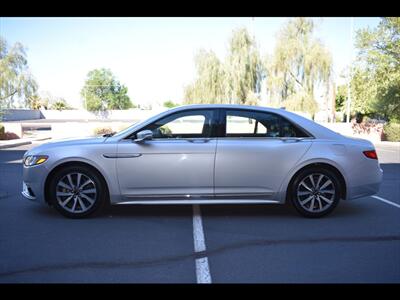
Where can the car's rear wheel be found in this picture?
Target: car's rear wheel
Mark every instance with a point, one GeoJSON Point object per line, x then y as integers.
{"type": "Point", "coordinates": [77, 191]}
{"type": "Point", "coordinates": [315, 192]}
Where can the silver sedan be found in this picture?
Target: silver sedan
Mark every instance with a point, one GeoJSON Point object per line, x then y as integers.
{"type": "Point", "coordinates": [205, 154]}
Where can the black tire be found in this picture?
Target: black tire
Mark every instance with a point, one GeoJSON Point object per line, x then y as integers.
{"type": "Point", "coordinates": [100, 197]}
{"type": "Point", "coordinates": [294, 188]}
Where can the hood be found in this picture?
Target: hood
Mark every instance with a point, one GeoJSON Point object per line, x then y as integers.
{"type": "Point", "coordinates": [64, 143]}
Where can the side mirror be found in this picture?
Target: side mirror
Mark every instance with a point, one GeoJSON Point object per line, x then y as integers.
{"type": "Point", "coordinates": [144, 135]}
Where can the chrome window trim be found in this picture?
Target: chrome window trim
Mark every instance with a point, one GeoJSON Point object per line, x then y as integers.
{"type": "Point", "coordinates": [128, 140]}
{"type": "Point", "coordinates": [220, 117]}
{"type": "Point", "coordinates": [267, 138]}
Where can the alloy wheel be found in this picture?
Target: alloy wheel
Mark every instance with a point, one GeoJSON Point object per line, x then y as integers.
{"type": "Point", "coordinates": [316, 192]}
{"type": "Point", "coordinates": [76, 192]}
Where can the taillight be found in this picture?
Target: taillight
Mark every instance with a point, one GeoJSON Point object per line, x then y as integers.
{"type": "Point", "coordinates": [371, 154]}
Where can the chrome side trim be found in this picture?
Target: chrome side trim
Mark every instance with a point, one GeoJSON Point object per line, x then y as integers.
{"type": "Point", "coordinates": [226, 196]}
{"type": "Point", "coordinates": [214, 201]}
{"type": "Point", "coordinates": [244, 195]}
{"type": "Point", "coordinates": [170, 196]}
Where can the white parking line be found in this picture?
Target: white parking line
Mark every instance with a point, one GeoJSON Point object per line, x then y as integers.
{"type": "Point", "coordinates": [386, 150]}
{"type": "Point", "coordinates": [386, 201]}
{"type": "Point", "coordinates": [203, 270]}
{"type": "Point", "coordinates": [17, 161]}
{"type": "Point", "coordinates": [203, 274]}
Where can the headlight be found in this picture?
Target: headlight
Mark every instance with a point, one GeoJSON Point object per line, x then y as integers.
{"type": "Point", "coordinates": [34, 160]}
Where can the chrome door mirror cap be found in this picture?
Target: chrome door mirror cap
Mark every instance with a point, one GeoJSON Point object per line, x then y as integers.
{"type": "Point", "coordinates": [144, 135]}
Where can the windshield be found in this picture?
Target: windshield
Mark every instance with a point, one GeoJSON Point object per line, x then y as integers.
{"type": "Point", "coordinates": [139, 123]}
{"type": "Point", "coordinates": [126, 130]}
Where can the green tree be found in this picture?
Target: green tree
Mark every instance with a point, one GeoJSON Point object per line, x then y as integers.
{"type": "Point", "coordinates": [102, 91]}
{"type": "Point", "coordinates": [298, 65]}
{"type": "Point", "coordinates": [243, 68]}
{"type": "Point", "coordinates": [15, 77]}
{"type": "Point", "coordinates": [233, 81]}
{"type": "Point", "coordinates": [208, 85]}
{"type": "Point", "coordinates": [34, 102]}
{"type": "Point", "coordinates": [375, 80]}
{"type": "Point", "coordinates": [251, 98]}
{"type": "Point", "coordinates": [43, 101]}
{"type": "Point", "coordinates": [60, 104]}
{"type": "Point", "coordinates": [341, 98]}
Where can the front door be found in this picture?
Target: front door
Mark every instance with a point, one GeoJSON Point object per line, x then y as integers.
{"type": "Point", "coordinates": [178, 163]}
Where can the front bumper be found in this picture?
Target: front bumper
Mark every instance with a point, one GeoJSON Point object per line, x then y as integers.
{"type": "Point", "coordinates": [27, 192]}
{"type": "Point", "coordinates": [33, 183]}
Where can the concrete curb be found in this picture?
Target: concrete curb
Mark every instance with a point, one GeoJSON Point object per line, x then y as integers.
{"type": "Point", "coordinates": [19, 142]}
{"type": "Point", "coordinates": [382, 143]}
{"type": "Point", "coordinates": [12, 145]}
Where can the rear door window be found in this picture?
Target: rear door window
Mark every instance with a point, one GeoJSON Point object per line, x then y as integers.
{"type": "Point", "coordinates": [245, 123]}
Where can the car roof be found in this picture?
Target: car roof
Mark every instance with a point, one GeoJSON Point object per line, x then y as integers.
{"type": "Point", "coordinates": [225, 106]}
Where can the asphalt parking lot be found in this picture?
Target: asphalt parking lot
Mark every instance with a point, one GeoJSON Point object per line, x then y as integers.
{"type": "Point", "coordinates": [358, 243]}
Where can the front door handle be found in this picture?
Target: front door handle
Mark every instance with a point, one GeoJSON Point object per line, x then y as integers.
{"type": "Point", "coordinates": [122, 155]}
{"type": "Point", "coordinates": [291, 140]}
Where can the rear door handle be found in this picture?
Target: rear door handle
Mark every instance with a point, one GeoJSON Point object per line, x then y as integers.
{"type": "Point", "coordinates": [199, 141]}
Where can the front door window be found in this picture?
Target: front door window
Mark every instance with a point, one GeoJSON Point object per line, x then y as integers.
{"type": "Point", "coordinates": [191, 124]}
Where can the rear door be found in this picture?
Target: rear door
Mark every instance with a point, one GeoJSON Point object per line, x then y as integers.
{"type": "Point", "coordinates": [255, 152]}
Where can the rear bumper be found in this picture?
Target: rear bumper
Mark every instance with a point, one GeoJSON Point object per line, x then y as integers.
{"type": "Point", "coordinates": [371, 187]}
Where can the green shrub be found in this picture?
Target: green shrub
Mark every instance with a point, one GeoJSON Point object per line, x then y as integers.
{"type": "Point", "coordinates": [2, 129]}
{"type": "Point", "coordinates": [392, 132]}
{"type": "Point", "coordinates": [102, 130]}
{"type": "Point", "coordinates": [371, 126]}
{"type": "Point", "coordinates": [9, 136]}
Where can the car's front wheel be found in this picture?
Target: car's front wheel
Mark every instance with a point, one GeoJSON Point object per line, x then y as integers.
{"type": "Point", "coordinates": [315, 192]}
{"type": "Point", "coordinates": [77, 191]}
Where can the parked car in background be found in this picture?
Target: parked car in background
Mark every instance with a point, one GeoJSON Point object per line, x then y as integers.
{"type": "Point", "coordinates": [205, 154]}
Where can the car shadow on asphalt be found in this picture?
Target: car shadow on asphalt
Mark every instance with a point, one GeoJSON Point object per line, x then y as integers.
{"type": "Point", "coordinates": [11, 155]}
{"type": "Point", "coordinates": [344, 209]}
{"type": "Point", "coordinates": [285, 211]}
{"type": "Point", "coordinates": [125, 211]}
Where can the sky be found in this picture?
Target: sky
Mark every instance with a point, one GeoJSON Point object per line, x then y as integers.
{"type": "Point", "coordinates": [153, 57]}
